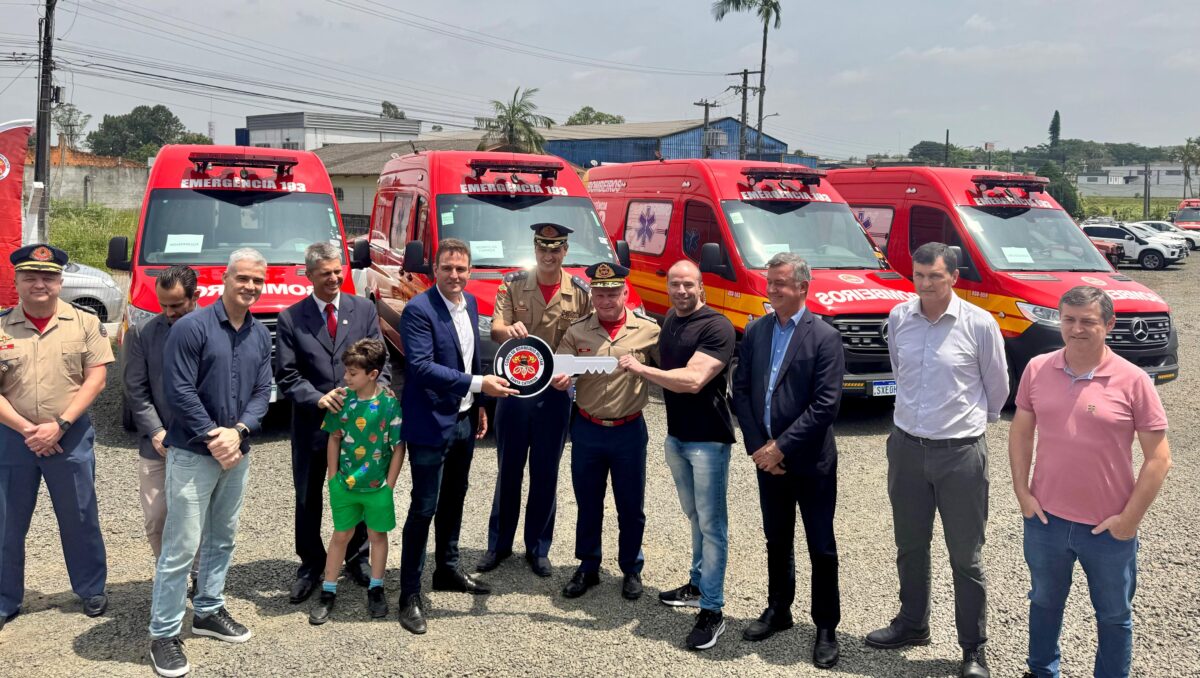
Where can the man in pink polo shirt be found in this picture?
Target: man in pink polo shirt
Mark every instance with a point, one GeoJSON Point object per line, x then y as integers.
{"type": "Point", "coordinates": [1086, 403]}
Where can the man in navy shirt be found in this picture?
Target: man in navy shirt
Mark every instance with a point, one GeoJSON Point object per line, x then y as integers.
{"type": "Point", "coordinates": [218, 377]}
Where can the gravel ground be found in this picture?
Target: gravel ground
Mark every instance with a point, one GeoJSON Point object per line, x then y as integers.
{"type": "Point", "coordinates": [526, 628]}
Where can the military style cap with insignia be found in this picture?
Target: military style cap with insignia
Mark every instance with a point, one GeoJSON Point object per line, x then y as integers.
{"type": "Point", "coordinates": [550, 236]}
{"type": "Point", "coordinates": [38, 257]}
{"type": "Point", "coordinates": [605, 274]}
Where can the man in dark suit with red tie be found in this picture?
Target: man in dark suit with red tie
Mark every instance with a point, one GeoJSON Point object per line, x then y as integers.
{"type": "Point", "coordinates": [786, 392]}
{"type": "Point", "coordinates": [311, 336]}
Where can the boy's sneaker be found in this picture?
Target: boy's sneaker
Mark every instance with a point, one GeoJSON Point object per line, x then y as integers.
{"type": "Point", "coordinates": [167, 657]}
{"type": "Point", "coordinates": [221, 626]}
{"type": "Point", "coordinates": [376, 603]}
{"type": "Point", "coordinates": [710, 624]}
{"type": "Point", "coordinates": [684, 596]}
{"type": "Point", "coordinates": [324, 607]}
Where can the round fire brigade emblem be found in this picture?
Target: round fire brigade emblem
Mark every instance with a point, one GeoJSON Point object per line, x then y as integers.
{"type": "Point", "coordinates": [1098, 282]}
{"type": "Point", "coordinates": [527, 364]}
{"type": "Point", "coordinates": [5, 167]}
{"type": "Point", "coordinates": [851, 278]}
{"type": "Point", "coordinates": [42, 254]}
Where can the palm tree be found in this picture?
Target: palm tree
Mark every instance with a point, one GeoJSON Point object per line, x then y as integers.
{"type": "Point", "coordinates": [768, 11]}
{"type": "Point", "coordinates": [516, 123]}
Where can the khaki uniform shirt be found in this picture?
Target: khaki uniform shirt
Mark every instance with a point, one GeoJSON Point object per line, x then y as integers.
{"type": "Point", "coordinates": [520, 299]}
{"type": "Point", "coordinates": [41, 373]}
{"type": "Point", "coordinates": [620, 394]}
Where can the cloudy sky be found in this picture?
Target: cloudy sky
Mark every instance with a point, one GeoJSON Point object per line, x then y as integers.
{"type": "Point", "coordinates": [846, 78]}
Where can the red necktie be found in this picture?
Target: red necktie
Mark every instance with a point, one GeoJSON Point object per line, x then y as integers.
{"type": "Point", "coordinates": [331, 320]}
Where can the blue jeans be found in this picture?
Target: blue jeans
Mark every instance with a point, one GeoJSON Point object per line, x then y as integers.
{"type": "Point", "coordinates": [1111, 568]}
{"type": "Point", "coordinates": [701, 473]}
{"type": "Point", "coordinates": [202, 499]}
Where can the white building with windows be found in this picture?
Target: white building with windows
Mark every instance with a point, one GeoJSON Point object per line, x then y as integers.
{"type": "Point", "coordinates": [1128, 181]}
{"type": "Point", "coordinates": [310, 131]}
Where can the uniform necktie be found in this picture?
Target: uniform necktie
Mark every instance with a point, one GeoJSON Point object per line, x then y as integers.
{"type": "Point", "coordinates": [331, 320]}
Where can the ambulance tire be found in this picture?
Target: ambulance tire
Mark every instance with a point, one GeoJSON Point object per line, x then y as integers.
{"type": "Point", "coordinates": [1152, 260]}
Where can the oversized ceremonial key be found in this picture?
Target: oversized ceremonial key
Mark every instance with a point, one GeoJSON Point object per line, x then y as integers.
{"type": "Point", "coordinates": [528, 365]}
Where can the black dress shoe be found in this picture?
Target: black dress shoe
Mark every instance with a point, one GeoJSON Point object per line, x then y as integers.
{"type": "Point", "coordinates": [825, 649]}
{"type": "Point", "coordinates": [359, 571]}
{"type": "Point", "coordinates": [324, 607]}
{"type": "Point", "coordinates": [4, 620]}
{"type": "Point", "coordinates": [302, 589]}
{"type": "Point", "coordinates": [580, 583]}
{"type": "Point", "coordinates": [897, 635]}
{"type": "Point", "coordinates": [96, 605]}
{"type": "Point", "coordinates": [631, 587]}
{"type": "Point", "coordinates": [412, 618]}
{"type": "Point", "coordinates": [974, 664]}
{"type": "Point", "coordinates": [771, 621]}
{"type": "Point", "coordinates": [459, 581]}
{"type": "Point", "coordinates": [491, 560]}
{"type": "Point", "coordinates": [540, 565]}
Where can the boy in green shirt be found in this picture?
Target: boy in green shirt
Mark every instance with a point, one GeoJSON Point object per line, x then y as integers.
{"type": "Point", "coordinates": [365, 456]}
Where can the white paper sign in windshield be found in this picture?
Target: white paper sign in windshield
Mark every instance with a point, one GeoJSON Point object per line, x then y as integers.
{"type": "Point", "coordinates": [487, 249]}
{"type": "Point", "coordinates": [183, 243]}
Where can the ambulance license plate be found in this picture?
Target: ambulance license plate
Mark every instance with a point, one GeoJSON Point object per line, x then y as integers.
{"type": "Point", "coordinates": [883, 388]}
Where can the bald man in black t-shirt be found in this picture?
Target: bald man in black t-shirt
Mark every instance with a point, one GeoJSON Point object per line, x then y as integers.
{"type": "Point", "coordinates": [695, 345]}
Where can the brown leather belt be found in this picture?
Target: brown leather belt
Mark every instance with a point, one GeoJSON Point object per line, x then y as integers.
{"type": "Point", "coordinates": [609, 422]}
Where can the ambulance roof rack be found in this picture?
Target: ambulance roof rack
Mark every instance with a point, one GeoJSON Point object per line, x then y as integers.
{"type": "Point", "coordinates": [282, 164]}
{"type": "Point", "coordinates": [801, 173]}
{"type": "Point", "coordinates": [1033, 184]}
{"type": "Point", "coordinates": [546, 169]}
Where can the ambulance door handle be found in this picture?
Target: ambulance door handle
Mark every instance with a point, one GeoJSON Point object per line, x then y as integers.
{"type": "Point", "coordinates": [660, 273]}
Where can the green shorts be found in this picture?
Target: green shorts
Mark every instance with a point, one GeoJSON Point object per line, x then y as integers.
{"type": "Point", "coordinates": [377, 508]}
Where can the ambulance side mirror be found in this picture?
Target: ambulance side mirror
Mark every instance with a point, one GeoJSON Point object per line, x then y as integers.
{"type": "Point", "coordinates": [712, 260]}
{"type": "Point", "coordinates": [118, 254]}
{"type": "Point", "coordinates": [962, 259]}
{"type": "Point", "coordinates": [360, 254]}
{"type": "Point", "coordinates": [622, 248]}
{"type": "Point", "coordinates": [414, 258]}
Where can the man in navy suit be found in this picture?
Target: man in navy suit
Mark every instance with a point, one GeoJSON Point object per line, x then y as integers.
{"type": "Point", "coordinates": [442, 420]}
{"type": "Point", "coordinates": [786, 391]}
{"type": "Point", "coordinates": [311, 336]}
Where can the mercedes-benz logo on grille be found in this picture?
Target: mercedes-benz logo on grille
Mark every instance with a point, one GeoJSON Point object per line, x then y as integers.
{"type": "Point", "coordinates": [883, 333]}
{"type": "Point", "coordinates": [1139, 329]}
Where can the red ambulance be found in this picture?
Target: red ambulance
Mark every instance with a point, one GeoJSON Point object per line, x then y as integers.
{"type": "Point", "coordinates": [1188, 215]}
{"type": "Point", "coordinates": [1020, 250]}
{"type": "Point", "coordinates": [487, 199]}
{"type": "Point", "coordinates": [731, 217]}
{"type": "Point", "coordinates": [204, 202]}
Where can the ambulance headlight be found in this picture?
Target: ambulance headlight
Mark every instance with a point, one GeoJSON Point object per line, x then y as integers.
{"type": "Point", "coordinates": [1042, 315]}
{"type": "Point", "coordinates": [485, 325]}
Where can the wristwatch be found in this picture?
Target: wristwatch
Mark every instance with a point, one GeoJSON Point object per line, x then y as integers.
{"type": "Point", "coordinates": [63, 424]}
{"type": "Point", "coordinates": [243, 430]}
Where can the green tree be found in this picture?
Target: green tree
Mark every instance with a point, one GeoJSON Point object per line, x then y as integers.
{"type": "Point", "coordinates": [70, 122]}
{"type": "Point", "coordinates": [392, 111]}
{"type": "Point", "coordinates": [516, 123]}
{"type": "Point", "coordinates": [193, 138]}
{"type": "Point", "coordinates": [1063, 189]}
{"type": "Point", "coordinates": [139, 134]}
{"type": "Point", "coordinates": [931, 152]}
{"type": "Point", "coordinates": [768, 12]}
{"type": "Point", "coordinates": [1055, 130]}
{"type": "Point", "coordinates": [590, 116]}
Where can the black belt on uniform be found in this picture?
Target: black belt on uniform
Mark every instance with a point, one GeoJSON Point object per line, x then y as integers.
{"type": "Point", "coordinates": [945, 442]}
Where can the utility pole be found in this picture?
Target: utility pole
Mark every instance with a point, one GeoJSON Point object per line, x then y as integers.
{"type": "Point", "coordinates": [41, 167]}
{"type": "Point", "coordinates": [1146, 194]}
{"type": "Point", "coordinates": [745, 91]}
{"type": "Point", "coordinates": [704, 138]}
{"type": "Point", "coordinates": [946, 151]}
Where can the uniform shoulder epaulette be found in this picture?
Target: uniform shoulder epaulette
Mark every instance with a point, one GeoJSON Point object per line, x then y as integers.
{"type": "Point", "coordinates": [6, 311]}
{"type": "Point", "coordinates": [86, 309]}
{"type": "Point", "coordinates": [514, 276]}
{"type": "Point", "coordinates": [579, 320]}
{"type": "Point", "coordinates": [581, 284]}
{"type": "Point", "coordinates": [641, 313]}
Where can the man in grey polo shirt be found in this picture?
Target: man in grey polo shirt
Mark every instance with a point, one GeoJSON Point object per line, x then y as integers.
{"type": "Point", "coordinates": [951, 380]}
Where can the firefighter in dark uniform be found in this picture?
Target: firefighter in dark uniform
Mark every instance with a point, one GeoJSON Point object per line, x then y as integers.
{"type": "Point", "coordinates": [53, 363]}
{"type": "Point", "coordinates": [542, 302]}
{"type": "Point", "coordinates": [608, 432]}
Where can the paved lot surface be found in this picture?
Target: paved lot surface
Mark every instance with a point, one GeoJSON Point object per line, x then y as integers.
{"type": "Point", "coordinates": [526, 628]}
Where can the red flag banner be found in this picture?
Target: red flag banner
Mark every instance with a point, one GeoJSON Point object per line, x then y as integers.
{"type": "Point", "coordinates": [14, 137]}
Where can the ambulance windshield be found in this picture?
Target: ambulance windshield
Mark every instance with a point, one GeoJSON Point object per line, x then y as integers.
{"type": "Point", "coordinates": [204, 227]}
{"type": "Point", "coordinates": [1188, 214]}
{"type": "Point", "coordinates": [826, 234]}
{"type": "Point", "coordinates": [497, 228]}
{"type": "Point", "coordinates": [1031, 239]}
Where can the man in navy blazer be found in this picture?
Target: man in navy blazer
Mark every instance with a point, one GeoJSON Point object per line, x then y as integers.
{"type": "Point", "coordinates": [311, 337]}
{"type": "Point", "coordinates": [786, 391]}
{"type": "Point", "coordinates": [441, 421]}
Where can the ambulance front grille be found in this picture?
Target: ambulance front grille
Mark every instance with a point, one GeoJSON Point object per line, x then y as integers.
{"type": "Point", "coordinates": [863, 334]}
{"type": "Point", "coordinates": [1140, 331]}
